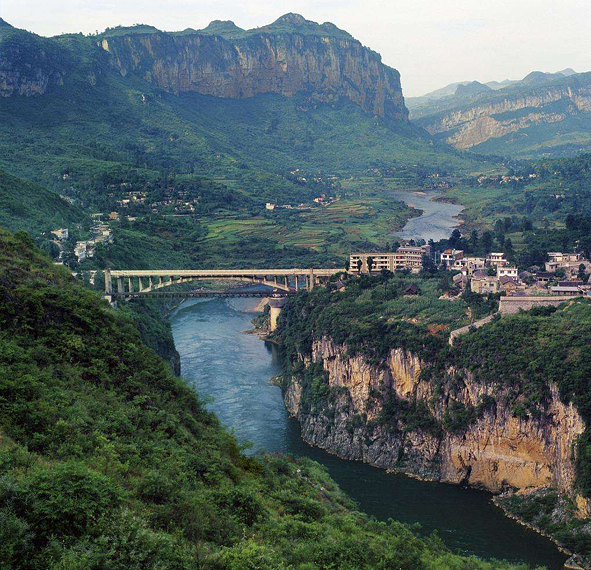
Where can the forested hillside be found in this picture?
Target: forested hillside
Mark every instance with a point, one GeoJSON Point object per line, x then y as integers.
{"type": "Point", "coordinates": [30, 207]}
{"type": "Point", "coordinates": [108, 460]}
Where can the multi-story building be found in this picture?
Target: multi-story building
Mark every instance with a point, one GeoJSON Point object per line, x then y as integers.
{"type": "Point", "coordinates": [483, 284]}
{"type": "Point", "coordinates": [450, 256]}
{"type": "Point", "coordinates": [496, 259]}
{"type": "Point", "coordinates": [468, 265]}
{"type": "Point", "coordinates": [507, 271]}
{"type": "Point", "coordinates": [405, 257]}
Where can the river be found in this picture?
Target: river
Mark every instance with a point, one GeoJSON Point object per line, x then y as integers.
{"type": "Point", "coordinates": [233, 371]}
{"type": "Point", "coordinates": [437, 221]}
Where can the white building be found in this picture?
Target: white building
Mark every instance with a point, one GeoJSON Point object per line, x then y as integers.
{"type": "Point", "coordinates": [507, 271]}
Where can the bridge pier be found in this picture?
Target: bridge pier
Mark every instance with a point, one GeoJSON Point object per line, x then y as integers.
{"type": "Point", "coordinates": [108, 283]}
{"type": "Point", "coordinates": [275, 306]}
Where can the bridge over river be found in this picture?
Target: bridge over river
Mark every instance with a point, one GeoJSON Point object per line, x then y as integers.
{"type": "Point", "coordinates": [124, 284]}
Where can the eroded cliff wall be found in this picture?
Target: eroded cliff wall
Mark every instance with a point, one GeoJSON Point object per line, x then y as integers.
{"type": "Point", "coordinates": [361, 418]}
{"type": "Point", "coordinates": [324, 67]}
{"type": "Point", "coordinates": [513, 112]}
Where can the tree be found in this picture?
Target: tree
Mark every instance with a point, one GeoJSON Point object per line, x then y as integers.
{"type": "Point", "coordinates": [369, 263]}
{"type": "Point", "coordinates": [474, 240]}
{"type": "Point", "coordinates": [487, 242]}
{"type": "Point", "coordinates": [582, 275]}
{"type": "Point", "coordinates": [455, 238]}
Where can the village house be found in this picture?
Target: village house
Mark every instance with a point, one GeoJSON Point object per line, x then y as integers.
{"type": "Point", "coordinates": [450, 256]}
{"type": "Point", "coordinates": [510, 285]}
{"type": "Point", "coordinates": [496, 259]}
{"type": "Point", "coordinates": [62, 234]}
{"type": "Point", "coordinates": [467, 265]}
{"type": "Point", "coordinates": [484, 284]}
{"type": "Point", "coordinates": [507, 271]}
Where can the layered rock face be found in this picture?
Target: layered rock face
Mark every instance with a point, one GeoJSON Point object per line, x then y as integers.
{"type": "Point", "coordinates": [323, 65]}
{"type": "Point", "coordinates": [496, 451]}
{"type": "Point", "coordinates": [29, 64]}
{"type": "Point", "coordinates": [510, 112]}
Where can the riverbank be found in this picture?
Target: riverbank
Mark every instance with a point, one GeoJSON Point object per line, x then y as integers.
{"type": "Point", "coordinates": [234, 371]}
{"type": "Point", "coordinates": [437, 219]}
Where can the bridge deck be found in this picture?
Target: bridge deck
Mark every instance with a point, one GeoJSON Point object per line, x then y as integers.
{"type": "Point", "coordinates": [221, 272]}
{"type": "Point", "coordinates": [203, 294]}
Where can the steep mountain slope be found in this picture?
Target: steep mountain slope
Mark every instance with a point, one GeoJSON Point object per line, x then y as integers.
{"type": "Point", "coordinates": [369, 374]}
{"type": "Point", "coordinates": [544, 114]}
{"type": "Point", "coordinates": [108, 460]}
{"type": "Point", "coordinates": [289, 56]}
{"type": "Point", "coordinates": [240, 104]}
{"type": "Point", "coordinates": [30, 207]}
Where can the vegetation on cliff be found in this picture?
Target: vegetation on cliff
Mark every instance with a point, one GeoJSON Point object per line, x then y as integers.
{"type": "Point", "coordinates": [108, 460]}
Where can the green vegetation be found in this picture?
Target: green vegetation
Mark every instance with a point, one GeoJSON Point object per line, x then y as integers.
{"type": "Point", "coordinates": [30, 207]}
{"type": "Point", "coordinates": [373, 315]}
{"type": "Point", "coordinates": [526, 352]}
{"type": "Point", "coordinates": [552, 514]}
{"type": "Point", "coordinates": [108, 460]}
{"type": "Point", "coordinates": [545, 192]}
{"type": "Point", "coordinates": [95, 134]}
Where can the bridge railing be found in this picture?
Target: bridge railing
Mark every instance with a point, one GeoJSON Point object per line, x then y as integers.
{"type": "Point", "coordinates": [122, 283]}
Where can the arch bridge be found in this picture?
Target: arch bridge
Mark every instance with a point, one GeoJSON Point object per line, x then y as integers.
{"type": "Point", "coordinates": [122, 284]}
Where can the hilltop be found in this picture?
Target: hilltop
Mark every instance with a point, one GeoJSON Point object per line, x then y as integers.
{"type": "Point", "coordinates": [543, 114]}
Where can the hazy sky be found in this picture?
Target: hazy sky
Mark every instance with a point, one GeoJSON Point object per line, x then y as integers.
{"type": "Point", "coordinates": [431, 42]}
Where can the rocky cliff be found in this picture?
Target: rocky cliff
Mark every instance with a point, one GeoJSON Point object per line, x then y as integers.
{"type": "Point", "coordinates": [390, 417]}
{"type": "Point", "coordinates": [511, 112]}
{"type": "Point", "coordinates": [292, 55]}
{"type": "Point", "coordinates": [29, 64]}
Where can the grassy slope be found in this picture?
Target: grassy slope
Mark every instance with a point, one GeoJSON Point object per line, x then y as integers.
{"type": "Point", "coordinates": [110, 461]}
{"type": "Point", "coordinates": [559, 187]}
{"type": "Point", "coordinates": [30, 207]}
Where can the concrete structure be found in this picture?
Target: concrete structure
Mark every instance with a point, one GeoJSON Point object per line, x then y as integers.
{"type": "Point", "coordinates": [135, 283]}
{"type": "Point", "coordinates": [450, 256]}
{"type": "Point", "coordinates": [405, 257]}
{"type": "Point", "coordinates": [484, 284]}
{"type": "Point", "coordinates": [468, 265]}
{"type": "Point", "coordinates": [275, 306]}
{"type": "Point", "coordinates": [507, 271]}
{"type": "Point", "coordinates": [62, 234]}
{"type": "Point", "coordinates": [496, 259]}
{"type": "Point", "coordinates": [511, 305]}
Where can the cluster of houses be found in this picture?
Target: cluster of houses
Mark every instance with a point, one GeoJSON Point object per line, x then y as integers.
{"type": "Point", "coordinates": [322, 200]}
{"type": "Point", "coordinates": [494, 274]}
{"type": "Point", "coordinates": [100, 233]}
{"type": "Point", "coordinates": [490, 274]}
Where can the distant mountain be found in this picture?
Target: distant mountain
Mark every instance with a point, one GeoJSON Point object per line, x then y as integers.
{"type": "Point", "coordinates": [543, 114]}
{"type": "Point", "coordinates": [241, 106]}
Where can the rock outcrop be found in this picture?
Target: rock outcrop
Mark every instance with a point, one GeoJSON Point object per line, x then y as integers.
{"type": "Point", "coordinates": [495, 450]}
{"type": "Point", "coordinates": [292, 55]}
{"type": "Point", "coordinates": [511, 111]}
{"type": "Point", "coordinates": [29, 64]}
